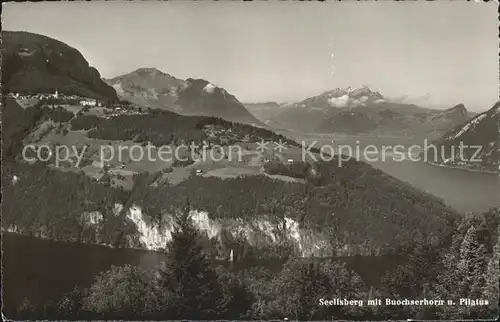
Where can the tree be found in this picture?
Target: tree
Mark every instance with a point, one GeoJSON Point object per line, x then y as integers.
{"type": "Point", "coordinates": [189, 275]}
{"type": "Point", "coordinates": [491, 290]}
{"type": "Point", "coordinates": [302, 283]}
{"type": "Point", "coordinates": [237, 299]}
{"type": "Point", "coordinates": [346, 283]}
{"type": "Point", "coordinates": [298, 289]}
{"type": "Point", "coordinates": [124, 292]}
{"type": "Point", "coordinates": [70, 305]}
{"type": "Point", "coordinates": [463, 275]}
{"type": "Point", "coordinates": [26, 310]}
{"type": "Point", "coordinates": [411, 279]}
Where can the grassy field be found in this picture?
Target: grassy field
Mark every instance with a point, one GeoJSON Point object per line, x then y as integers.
{"type": "Point", "coordinates": [121, 160]}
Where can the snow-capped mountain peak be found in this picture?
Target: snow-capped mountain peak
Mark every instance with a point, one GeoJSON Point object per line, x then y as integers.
{"type": "Point", "coordinates": [354, 92]}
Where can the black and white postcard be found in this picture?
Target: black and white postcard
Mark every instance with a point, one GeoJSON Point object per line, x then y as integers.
{"type": "Point", "coordinates": [239, 160]}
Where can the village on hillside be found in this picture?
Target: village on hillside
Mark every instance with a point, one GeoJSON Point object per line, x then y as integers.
{"type": "Point", "coordinates": [75, 103]}
{"type": "Point", "coordinates": [58, 131]}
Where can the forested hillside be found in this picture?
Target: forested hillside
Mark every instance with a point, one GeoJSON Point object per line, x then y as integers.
{"type": "Point", "coordinates": [33, 63]}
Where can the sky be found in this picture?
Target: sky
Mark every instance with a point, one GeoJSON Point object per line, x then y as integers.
{"type": "Point", "coordinates": [435, 53]}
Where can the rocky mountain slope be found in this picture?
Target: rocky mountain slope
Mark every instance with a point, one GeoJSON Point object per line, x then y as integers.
{"type": "Point", "coordinates": [360, 111]}
{"type": "Point", "coordinates": [265, 110]}
{"type": "Point", "coordinates": [481, 139]}
{"type": "Point", "coordinates": [151, 88]}
{"type": "Point", "coordinates": [201, 97]}
{"type": "Point", "coordinates": [33, 63]}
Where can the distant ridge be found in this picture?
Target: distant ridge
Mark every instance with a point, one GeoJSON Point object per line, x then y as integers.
{"type": "Point", "coordinates": [362, 110]}
{"type": "Point", "coordinates": [481, 131]}
{"type": "Point", "coordinates": [152, 88]}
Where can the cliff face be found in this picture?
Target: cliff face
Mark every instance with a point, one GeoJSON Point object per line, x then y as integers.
{"type": "Point", "coordinates": [480, 138]}
{"type": "Point", "coordinates": [33, 63]}
{"type": "Point", "coordinates": [262, 237]}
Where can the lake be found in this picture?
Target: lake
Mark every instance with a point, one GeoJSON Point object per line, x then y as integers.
{"type": "Point", "coordinates": [43, 270]}
{"type": "Point", "coordinates": [462, 190]}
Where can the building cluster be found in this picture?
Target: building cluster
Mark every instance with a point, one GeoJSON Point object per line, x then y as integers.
{"type": "Point", "coordinates": [90, 102]}
{"type": "Point", "coordinates": [112, 108]}
{"type": "Point", "coordinates": [83, 101]}
{"type": "Point", "coordinates": [39, 96]}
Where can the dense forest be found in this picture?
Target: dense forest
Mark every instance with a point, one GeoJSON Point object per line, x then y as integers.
{"type": "Point", "coordinates": [189, 286]}
{"type": "Point", "coordinates": [53, 204]}
{"type": "Point", "coordinates": [16, 124]}
{"type": "Point", "coordinates": [164, 127]}
{"type": "Point", "coordinates": [360, 209]}
{"type": "Point", "coordinates": [357, 206]}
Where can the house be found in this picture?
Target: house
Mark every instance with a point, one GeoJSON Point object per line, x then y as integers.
{"type": "Point", "coordinates": [88, 102]}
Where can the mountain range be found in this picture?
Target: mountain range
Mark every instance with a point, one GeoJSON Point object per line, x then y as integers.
{"type": "Point", "coordinates": [342, 110]}
{"type": "Point", "coordinates": [359, 111]}
{"type": "Point", "coordinates": [151, 88]}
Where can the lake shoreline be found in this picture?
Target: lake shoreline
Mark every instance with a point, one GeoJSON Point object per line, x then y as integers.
{"type": "Point", "coordinates": [463, 169]}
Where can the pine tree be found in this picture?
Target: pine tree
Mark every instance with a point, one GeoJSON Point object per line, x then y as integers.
{"type": "Point", "coordinates": [408, 280]}
{"type": "Point", "coordinates": [189, 275]}
{"type": "Point", "coordinates": [237, 300]}
{"type": "Point", "coordinates": [471, 265]}
{"type": "Point", "coordinates": [298, 289]}
{"type": "Point", "coordinates": [464, 274]}
{"type": "Point", "coordinates": [491, 290]}
{"type": "Point", "coordinates": [120, 292]}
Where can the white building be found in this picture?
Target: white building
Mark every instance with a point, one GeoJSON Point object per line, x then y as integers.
{"type": "Point", "coordinates": [88, 102]}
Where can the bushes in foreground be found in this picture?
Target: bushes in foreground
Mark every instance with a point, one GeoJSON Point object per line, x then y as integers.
{"type": "Point", "coordinates": [188, 287]}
